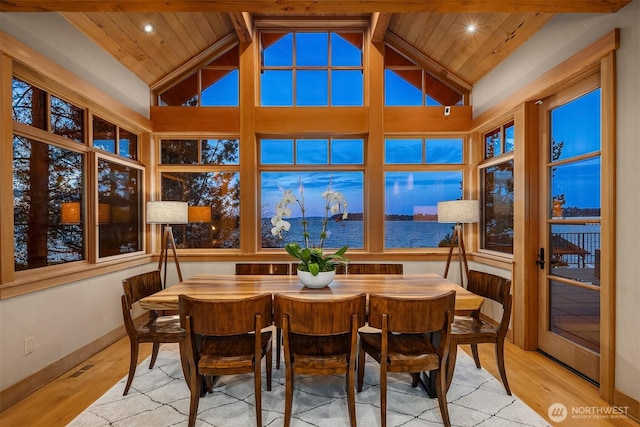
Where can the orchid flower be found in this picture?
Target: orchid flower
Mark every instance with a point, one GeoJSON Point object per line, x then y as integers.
{"type": "Point", "coordinates": [311, 259]}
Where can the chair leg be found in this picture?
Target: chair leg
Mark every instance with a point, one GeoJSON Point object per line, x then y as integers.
{"type": "Point", "coordinates": [278, 341]}
{"type": "Point", "coordinates": [268, 367]}
{"type": "Point", "coordinates": [415, 379]}
{"type": "Point", "coordinates": [361, 361]}
{"type": "Point", "coordinates": [383, 395]}
{"type": "Point", "coordinates": [257, 383]}
{"type": "Point", "coordinates": [351, 398]}
{"type": "Point", "coordinates": [133, 362]}
{"type": "Point", "coordinates": [441, 391]}
{"type": "Point", "coordinates": [154, 354]}
{"type": "Point", "coordinates": [196, 385]}
{"type": "Point", "coordinates": [451, 362]}
{"type": "Point", "coordinates": [288, 397]}
{"type": "Point", "coordinates": [183, 361]}
{"type": "Point", "coordinates": [476, 356]}
{"type": "Point", "coordinates": [501, 369]}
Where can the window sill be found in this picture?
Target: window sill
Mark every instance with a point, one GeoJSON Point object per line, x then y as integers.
{"type": "Point", "coordinates": [493, 259]}
{"type": "Point", "coordinates": [47, 277]}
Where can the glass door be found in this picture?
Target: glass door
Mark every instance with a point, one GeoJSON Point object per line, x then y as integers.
{"type": "Point", "coordinates": [569, 257]}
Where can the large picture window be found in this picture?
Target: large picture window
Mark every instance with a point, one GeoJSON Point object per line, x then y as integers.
{"type": "Point", "coordinates": [420, 172]}
{"type": "Point", "coordinates": [286, 165]}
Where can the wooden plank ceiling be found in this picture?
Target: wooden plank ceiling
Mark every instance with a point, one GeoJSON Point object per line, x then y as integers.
{"type": "Point", "coordinates": [434, 30]}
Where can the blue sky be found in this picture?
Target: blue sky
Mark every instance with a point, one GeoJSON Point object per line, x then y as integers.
{"type": "Point", "coordinates": [577, 124]}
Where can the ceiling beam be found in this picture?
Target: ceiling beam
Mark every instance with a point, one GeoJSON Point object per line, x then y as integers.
{"type": "Point", "coordinates": [309, 6]}
{"type": "Point", "coordinates": [243, 26]}
{"type": "Point", "coordinates": [379, 25]}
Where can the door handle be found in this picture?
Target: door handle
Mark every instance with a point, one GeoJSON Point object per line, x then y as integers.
{"type": "Point", "coordinates": [540, 261]}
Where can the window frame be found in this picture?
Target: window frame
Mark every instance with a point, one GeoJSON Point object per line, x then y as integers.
{"type": "Point", "coordinates": [305, 168]}
{"type": "Point", "coordinates": [94, 221]}
{"type": "Point", "coordinates": [195, 68]}
{"type": "Point", "coordinates": [417, 64]}
{"type": "Point", "coordinates": [425, 166]}
{"type": "Point", "coordinates": [12, 282]}
{"type": "Point", "coordinates": [483, 165]}
{"type": "Point", "coordinates": [262, 68]}
{"type": "Point", "coordinates": [201, 167]}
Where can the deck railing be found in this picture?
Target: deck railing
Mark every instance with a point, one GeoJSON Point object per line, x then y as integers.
{"type": "Point", "coordinates": [575, 249]}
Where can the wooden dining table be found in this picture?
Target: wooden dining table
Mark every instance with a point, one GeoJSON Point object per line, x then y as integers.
{"type": "Point", "coordinates": [218, 286]}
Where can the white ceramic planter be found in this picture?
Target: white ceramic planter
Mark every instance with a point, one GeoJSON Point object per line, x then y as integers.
{"type": "Point", "coordinates": [324, 278]}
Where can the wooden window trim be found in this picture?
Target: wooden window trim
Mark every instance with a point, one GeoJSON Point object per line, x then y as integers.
{"type": "Point", "coordinates": [21, 61]}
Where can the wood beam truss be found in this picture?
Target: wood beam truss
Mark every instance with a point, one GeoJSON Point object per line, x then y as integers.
{"type": "Point", "coordinates": [325, 6]}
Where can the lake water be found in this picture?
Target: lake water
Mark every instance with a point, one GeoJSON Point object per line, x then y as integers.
{"type": "Point", "coordinates": [398, 234]}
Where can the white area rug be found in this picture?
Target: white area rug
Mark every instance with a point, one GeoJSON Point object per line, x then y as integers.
{"type": "Point", "coordinates": [160, 397]}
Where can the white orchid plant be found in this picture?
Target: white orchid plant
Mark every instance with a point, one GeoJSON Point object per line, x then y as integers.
{"type": "Point", "coordinates": [312, 259]}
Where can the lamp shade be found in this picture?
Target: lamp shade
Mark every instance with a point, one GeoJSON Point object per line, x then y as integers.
{"type": "Point", "coordinates": [199, 213]}
{"type": "Point", "coordinates": [104, 213]}
{"type": "Point", "coordinates": [166, 212]}
{"type": "Point", "coordinates": [459, 211]}
{"type": "Point", "coordinates": [70, 213]}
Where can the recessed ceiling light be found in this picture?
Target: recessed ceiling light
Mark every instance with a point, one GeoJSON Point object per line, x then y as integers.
{"type": "Point", "coordinates": [148, 28]}
{"type": "Point", "coordinates": [471, 28]}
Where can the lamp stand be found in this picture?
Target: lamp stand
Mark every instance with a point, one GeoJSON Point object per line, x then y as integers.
{"type": "Point", "coordinates": [462, 254]}
{"type": "Point", "coordinates": [167, 240]}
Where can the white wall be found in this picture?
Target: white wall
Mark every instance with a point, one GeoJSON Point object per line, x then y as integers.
{"type": "Point", "coordinates": [561, 38]}
{"type": "Point", "coordinates": [51, 35]}
{"type": "Point", "coordinates": [61, 320]}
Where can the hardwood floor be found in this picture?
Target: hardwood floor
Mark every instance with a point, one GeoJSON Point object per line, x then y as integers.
{"type": "Point", "coordinates": [538, 381]}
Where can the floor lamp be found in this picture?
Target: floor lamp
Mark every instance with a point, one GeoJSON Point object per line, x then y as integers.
{"type": "Point", "coordinates": [165, 213]}
{"type": "Point", "coordinates": [458, 212]}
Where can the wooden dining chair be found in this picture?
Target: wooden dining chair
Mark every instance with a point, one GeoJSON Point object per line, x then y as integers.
{"type": "Point", "coordinates": [156, 329]}
{"type": "Point", "coordinates": [473, 330]}
{"type": "Point", "coordinates": [405, 342]}
{"type": "Point", "coordinates": [369, 268]}
{"type": "Point", "coordinates": [250, 268]}
{"type": "Point", "coordinates": [320, 338]}
{"type": "Point", "coordinates": [225, 337]}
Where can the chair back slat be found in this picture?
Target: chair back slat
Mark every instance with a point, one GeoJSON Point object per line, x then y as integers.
{"type": "Point", "coordinates": [496, 288]}
{"type": "Point", "coordinates": [411, 315]}
{"type": "Point", "coordinates": [361, 268]}
{"type": "Point", "coordinates": [262, 269]}
{"type": "Point", "coordinates": [319, 316]}
{"type": "Point", "coordinates": [141, 285]}
{"type": "Point", "coordinates": [226, 317]}
{"type": "Point", "coordinates": [489, 285]}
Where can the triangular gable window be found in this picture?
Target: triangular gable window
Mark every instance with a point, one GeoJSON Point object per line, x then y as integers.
{"type": "Point", "coordinates": [406, 83]}
{"type": "Point", "coordinates": [215, 84]}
